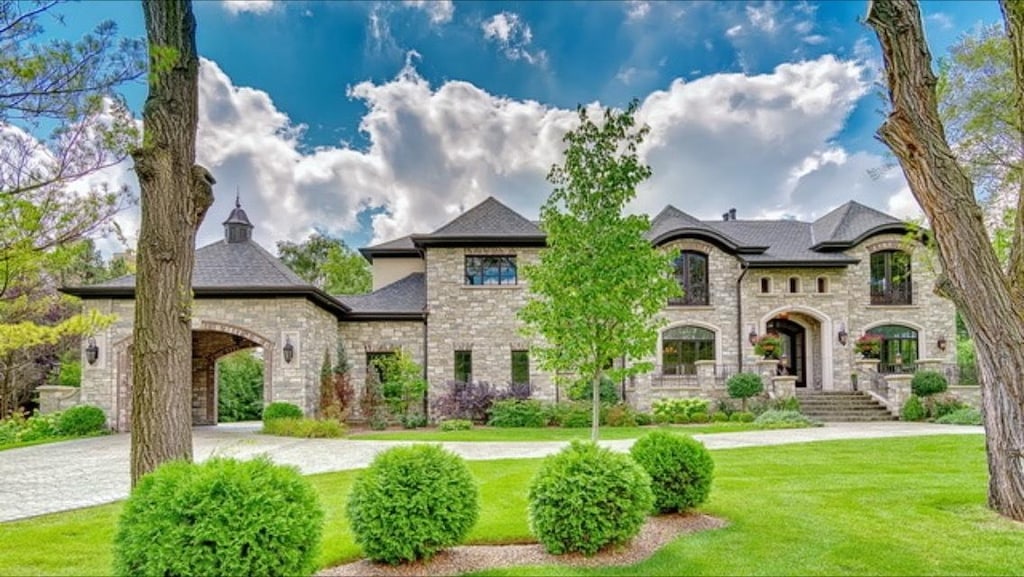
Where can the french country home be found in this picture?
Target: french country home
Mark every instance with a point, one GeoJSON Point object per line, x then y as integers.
{"type": "Point", "coordinates": [854, 281]}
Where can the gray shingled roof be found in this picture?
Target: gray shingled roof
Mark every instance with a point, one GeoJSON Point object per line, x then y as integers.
{"type": "Point", "coordinates": [490, 218]}
{"type": "Point", "coordinates": [848, 223]}
{"type": "Point", "coordinates": [403, 246]}
{"type": "Point", "coordinates": [406, 296]}
{"type": "Point", "coordinates": [671, 219]}
{"type": "Point", "coordinates": [787, 241]}
{"type": "Point", "coordinates": [231, 265]}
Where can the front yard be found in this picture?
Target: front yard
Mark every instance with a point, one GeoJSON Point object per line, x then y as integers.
{"type": "Point", "coordinates": [908, 506]}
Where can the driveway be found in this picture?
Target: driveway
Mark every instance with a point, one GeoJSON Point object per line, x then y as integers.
{"type": "Point", "coordinates": [74, 474]}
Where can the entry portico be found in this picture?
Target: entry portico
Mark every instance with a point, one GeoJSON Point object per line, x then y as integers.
{"type": "Point", "coordinates": [243, 298]}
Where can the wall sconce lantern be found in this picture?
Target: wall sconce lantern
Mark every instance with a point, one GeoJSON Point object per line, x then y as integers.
{"type": "Point", "coordinates": [942, 343]}
{"type": "Point", "coordinates": [92, 352]}
{"type": "Point", "coordinates": [843, 335]}
{"type": "Point", "coordinates": [288, 350]}
{"type": "Point", "coordinates": [752, 337]}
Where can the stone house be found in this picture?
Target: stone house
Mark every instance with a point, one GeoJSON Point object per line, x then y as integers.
{"type": "Point", "coordinates": [450, 299]}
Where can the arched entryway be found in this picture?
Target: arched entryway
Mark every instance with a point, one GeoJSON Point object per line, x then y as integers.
{"type": "Point", "coordinates": [793, 360]}
{"type": "Point", "coordinates": [210, 342]}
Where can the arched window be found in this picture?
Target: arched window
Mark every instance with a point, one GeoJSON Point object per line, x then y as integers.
{"type": "Point", "coordinates": [692, 276]}
{"type": "Point", "coordinates": [890, 278]}
{"type": "Point", "coordinates": [681, 347]}
{"type": "Point", "coordinates": [899, 348]}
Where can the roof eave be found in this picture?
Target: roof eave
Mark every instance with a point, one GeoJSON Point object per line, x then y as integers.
{"type": "Point", "coordinates": [477, 240]}
{"type": "Point", "coordinates": [715, 237]}
{"type": "Point", "coordinates": [889, 227]}
{"type": "Point", "coordinates": [370, 253]}
{"type": "Point", "coordinates": [326, 301]}
{"type": "Point", "coordinates": [801, 263]}
{"type": "Point", "coordinates": [370, 316]}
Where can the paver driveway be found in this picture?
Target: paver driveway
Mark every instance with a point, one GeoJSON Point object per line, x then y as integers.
{"type": "Point", "coordinates": [73, 474]}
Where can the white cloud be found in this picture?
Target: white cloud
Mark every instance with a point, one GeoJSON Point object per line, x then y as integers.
{"type": "Point", "coordinates": [941, 19]}
{"type": "Point", "coordinates": [251, 6]}
{"type": "Point", "coordinates": [803, 27]}
{"type": "Point", "coordinates": [763, 17]}
{"type": "Point", "coordinates": [734, 31]}
{"type": "Point", "coordinates": [814, 39]}
{"type": "Point", "coordinates": [440, 11]}
{"type": "Point", "coordinates": [513, 35]}
{"type": "Point", "coordinates": [637, 9]}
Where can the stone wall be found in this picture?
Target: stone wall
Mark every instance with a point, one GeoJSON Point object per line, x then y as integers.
{"type": "Point", "coordinates": [481, 319]}
{"type": "Point", "coordinates": [362, 337]}
{"type": "Point", "coordinates": [270, 322]}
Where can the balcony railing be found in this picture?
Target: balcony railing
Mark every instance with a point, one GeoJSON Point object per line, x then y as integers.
{"type": "Point", "coordinates": [901, 294]}
{"type": "Point", "coordinates": [694, 297]}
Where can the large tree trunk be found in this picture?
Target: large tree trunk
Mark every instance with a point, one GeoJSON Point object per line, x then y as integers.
{"type": "Point", "coordinates": [175, 195]}
{"type": "Point", "coordinates": [991, 303]}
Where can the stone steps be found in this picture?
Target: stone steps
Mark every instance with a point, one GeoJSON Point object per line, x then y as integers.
{"type": "Point", "coordinates": [842, 406]}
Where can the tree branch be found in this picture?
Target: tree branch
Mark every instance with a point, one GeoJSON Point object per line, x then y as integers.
{"type": "Point", "coordinates": [1013, 15]}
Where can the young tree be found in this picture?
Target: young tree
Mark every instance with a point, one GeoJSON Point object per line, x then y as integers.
{"type": "Point", "coordinates": [175, 196]}
{"type": "Point", "coordinates": [990, 298]}
{"type": "Point", "coordinates": [327, 263]}
{"type": "Point", "coordinates": [599, 282]}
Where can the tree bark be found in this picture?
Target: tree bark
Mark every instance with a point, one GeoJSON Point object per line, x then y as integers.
{"type": "Point", "coordinates": [972, 276]}
{"type": "Point", "coordinates": [1013, 14]}
{"type": "Point", "coordinates": [174, 197]}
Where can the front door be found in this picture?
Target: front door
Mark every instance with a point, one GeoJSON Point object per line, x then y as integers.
{"type": "Point", "coordinates": [793, 360]}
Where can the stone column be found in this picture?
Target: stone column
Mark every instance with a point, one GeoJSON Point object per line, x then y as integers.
{"type": "Point", "coordinates": [784, 387]}
{"type": "Point", "coordinates": [866, 365]}
{"type": "Point", "coordinates": [53, 398]}
{"type": "Point", "coordinates": [929, 365]}
{"type": "Point", "coordinates": [706, 377]}
{"type": "Point", "coordinates": [899, 391]}
{"type": "Point", "coordinates": [767, 368]}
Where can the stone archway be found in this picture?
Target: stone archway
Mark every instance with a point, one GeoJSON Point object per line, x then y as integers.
{"type": "Point", "coordinates": [818, 355]}
{"type": "Point", "coordinates": [210, 341]}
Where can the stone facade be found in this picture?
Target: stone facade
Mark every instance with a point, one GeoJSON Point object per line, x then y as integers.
{"type": "Point", "coordinates": [364, 337]}
{"type": "Point", "coordinates": [479, 319]}
{"type": "Point", "coordinates": [220, 326]}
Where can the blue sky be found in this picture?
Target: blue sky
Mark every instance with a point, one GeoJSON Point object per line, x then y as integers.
{"type": "Point", "coordinates": [375, 119]}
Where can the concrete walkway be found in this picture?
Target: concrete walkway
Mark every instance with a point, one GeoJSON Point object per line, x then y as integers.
{"type": "Point", "coordinates": [74, 474]}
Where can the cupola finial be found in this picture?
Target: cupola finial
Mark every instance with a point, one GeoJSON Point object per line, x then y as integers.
{"type": "Point", "coordinates": [237, 227]}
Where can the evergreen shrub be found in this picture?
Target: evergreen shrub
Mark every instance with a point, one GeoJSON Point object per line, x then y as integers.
{"type": "Point", "coordinates": [680, 467]}
{"type": "Point", "coordinates": [281, 410]}
{"type": "Point", "coordinates": [81, 420]}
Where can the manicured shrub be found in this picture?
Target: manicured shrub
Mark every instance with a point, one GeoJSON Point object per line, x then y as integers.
{"type": "Point", "coordinates": [680, 468]}
{"type": "Point", "coordinates": [942, 406]}
{"type": "Point", "coordinates": [699, 417]}
{"type": "Point", "coordinates": [221, 517]}
{"type": "Point", "coordinates": [620, 415]}
{"type": "Point", "coordinates": [81, 420]}
{"type": "Point", "coordinates": [455, 425]}
{"type": "Point", "coordinates": [913, 410]}
{"type": "Point", "coordinates": [39, 427]}
{"type": "Point", "coordinates": [413, 420]}
{"type": "Point", "coordinates": [927, 383]}
{"type": "Point", "coordinates": [583, 391]}
{"type": "Point", "coordinates": [516, 413]}
{"type": "Point", "coordinates": [468, 401]}
{"type": "Point", "coordinates": [964, 416]}
{"type": "Point", "coordinates": [772, 419]}
{"type": "Point", "coordinates": [786, 404]}
{"type": "Point", "coordinates": [678, 411]}
{"type": "Point", "coordinates": [586, 497]}
{"type": "Point", "coordinates": [281, 411]}
{"type": "Point", "coordinates": [574, 415]}
{"type": "Point", "coordinates": [643, 419]}
{"type": "Point", "coordinates": [744, 417]}
{"type": "Point", "coordinates": [304, 428]}
{"type": "Point", "coordinates": [411, 503]}
{"type": "Point", "coordinates": [719, 417]}
{"type": "Point", "coordinates": [743, 386]}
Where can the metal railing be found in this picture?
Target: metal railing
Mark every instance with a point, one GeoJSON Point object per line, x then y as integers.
{"type": "Point", "coordinates": [901, 294]}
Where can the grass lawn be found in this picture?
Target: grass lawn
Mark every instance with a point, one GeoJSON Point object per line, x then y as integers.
{"type": "Point", "coordinates": [492, 434]}
{"type": "Point", "coordinates": [911, 506]}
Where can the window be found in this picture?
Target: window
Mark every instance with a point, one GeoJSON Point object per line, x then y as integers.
{"type": "Point", "coordinates": [794, 284]}
{"type": "Point", "coordinates": [899, 348]}
{"type": "Point", "coordinates": [890, 278]}
{"type": "Point", "coordinates": [692, 276]}
{"type": "Point", "coordinates": [377, 362]}
{"type": "Point", "coordinates": [520, 367]}
{"type": "Point", "coordinates": [681, 347]}
{"type": "Point", "coordinates": [463, 366]}
{"type": "Point", "coordinates": [822, 284]}
{"type": "Point", "coordinates": [491, 270]}
{"type": "Point", "coordinates": [766, 285]}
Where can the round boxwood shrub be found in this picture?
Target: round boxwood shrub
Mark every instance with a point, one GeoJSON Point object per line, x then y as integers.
{"type": "Point", "coordinates": [680, 467]}
{"type": "Point", "coordinates": [281, 411]}
{"type": "Point", "coordinates": [81, 420]}
{"type": "Point", "coordinates": [913, 409]}
{"type": "Point", "coordinates": [928, 383]}
{"type": "Point", "coordinates": [221, 517]}
{"type": "Point", "coordinates": [411, 503]}
{"type": "Point", "coordinates": [587, 497]}
{"type": "Point", "coordinates": [743, 386]}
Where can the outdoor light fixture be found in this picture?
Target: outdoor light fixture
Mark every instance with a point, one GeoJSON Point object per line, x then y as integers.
{"type": "Point", "coordinates": [753, 335]}
{"type": "Point", "coordinates": [92, 352]}
{"type": "Point", "coordinates": [942, 342]}
{"type": "Point", "coordinates": [843, 336]}
{"type": "Point", "coordinates": [288, 350]}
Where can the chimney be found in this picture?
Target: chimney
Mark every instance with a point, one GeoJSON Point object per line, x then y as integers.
{"type": "Point", "coordinates": [725, 216]}
{"type": "Point", "coordinates": [732, 214]}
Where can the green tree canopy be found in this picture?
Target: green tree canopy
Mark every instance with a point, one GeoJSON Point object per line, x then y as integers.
{"type": "Point", "coordinates": [600, 282]}
{"type": "Point", "coordinates": [327, 263]}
